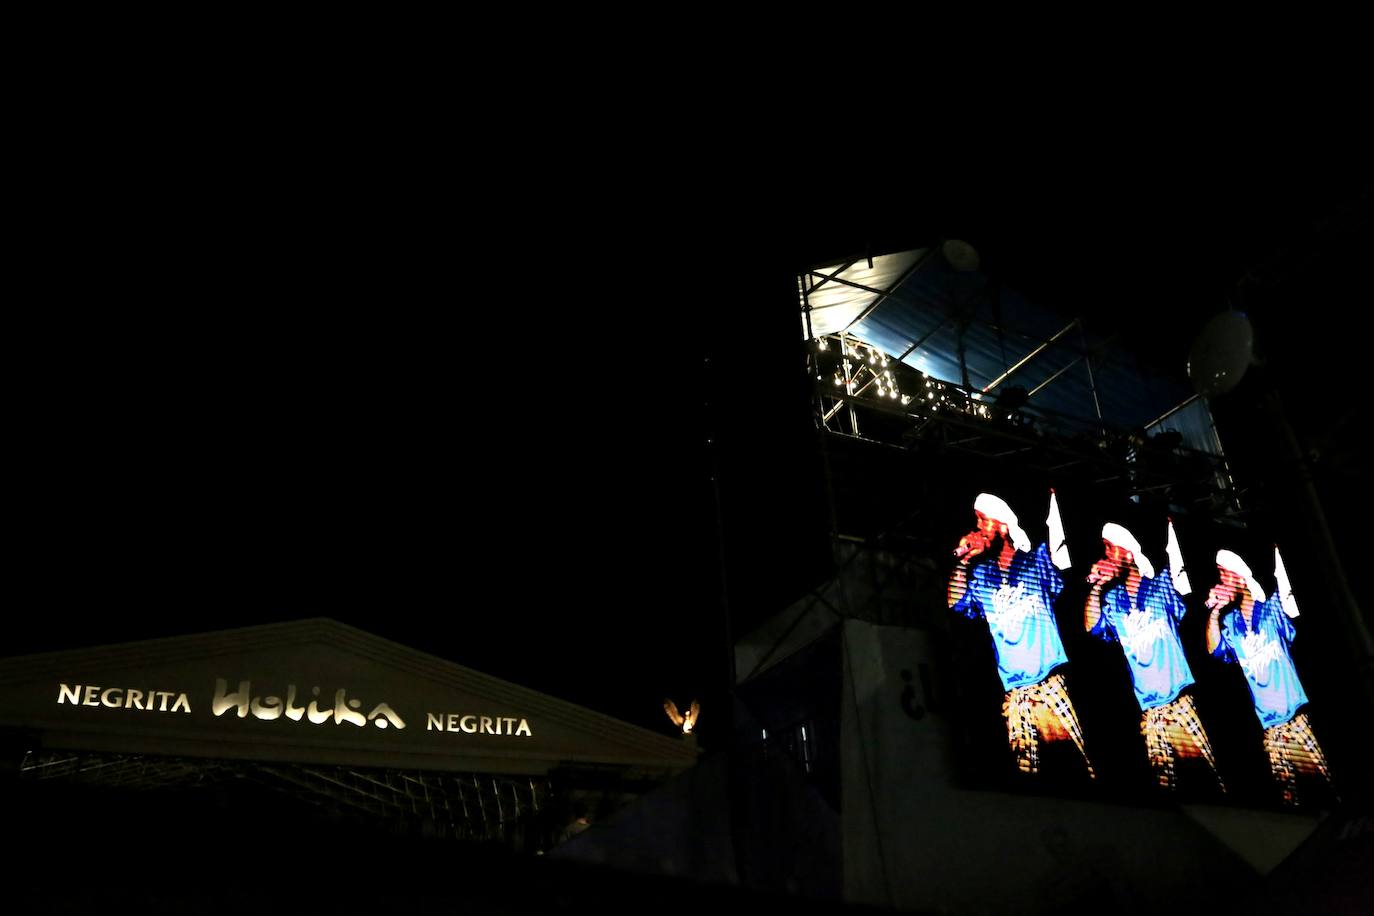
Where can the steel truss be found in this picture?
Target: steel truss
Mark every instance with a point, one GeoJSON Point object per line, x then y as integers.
{"type": "Point", "coordinates": [862, 393]}
{"type": "Point", "coordinates": [464, 806]}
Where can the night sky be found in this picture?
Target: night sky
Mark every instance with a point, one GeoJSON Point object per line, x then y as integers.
{"type": "Point", "coordinates": [480, 429]}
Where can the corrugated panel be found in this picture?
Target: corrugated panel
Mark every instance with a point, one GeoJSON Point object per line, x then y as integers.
{"type": "Point", "coordinates": [1194, 424]}
{"type": "Point", "coordinates": [834, 305]}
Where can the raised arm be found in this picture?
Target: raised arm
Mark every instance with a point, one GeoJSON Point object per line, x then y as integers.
{"type": "Point", "coordinates": [1217, 598]}
{"type": "Point", "coordinates": [1101, 575]}
{"type": "Point", "coordinates": [1213, 630]}
{"type": "Point", "coordinates": [970, 545]}
{"type": "Point", "coordinates": [1092, 608]}
{"type": "Point", "coordinates": [958, 583]}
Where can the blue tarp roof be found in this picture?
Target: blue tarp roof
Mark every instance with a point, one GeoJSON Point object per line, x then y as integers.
{"type": "Point", "coordinates": [916, 297]}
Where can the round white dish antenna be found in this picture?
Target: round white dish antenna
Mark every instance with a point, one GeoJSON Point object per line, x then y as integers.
{"type": "Point", "coordinates": [1221, 354]}
{"type": "Point", "coordinates": [960, 254]}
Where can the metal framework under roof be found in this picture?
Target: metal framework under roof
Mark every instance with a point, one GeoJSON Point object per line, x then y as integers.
{"type": "Point", "coordinates": [463, 806]}
{"type": "Point", "coordinates": [904, 349]}
{"type": "Point", "coordinates": [965, 328]}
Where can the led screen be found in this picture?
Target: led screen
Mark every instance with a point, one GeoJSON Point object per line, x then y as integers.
{"type": "Point", "coordinates": [1101, 645]}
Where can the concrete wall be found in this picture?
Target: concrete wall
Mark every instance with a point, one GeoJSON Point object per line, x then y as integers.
{"type": "Point", "coordinates": [914, 839]}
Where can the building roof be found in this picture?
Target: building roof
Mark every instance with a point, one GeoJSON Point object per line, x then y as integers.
{"type": "Point", "coordinates": [313, 691]}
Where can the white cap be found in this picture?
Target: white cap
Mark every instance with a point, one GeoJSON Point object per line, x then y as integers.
{"type": "Point", "coordinates": [1122, 538]}
{"type": "Point", "coordinates": [1228, 560]}
{"type": "Point", "coordinates": [996, 508]}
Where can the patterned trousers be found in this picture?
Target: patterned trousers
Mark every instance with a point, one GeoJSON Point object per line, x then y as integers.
{"type": "Point", "coordinates": [1169, 728]}
{"type": "Point", "coordinates": [1034, 710]}
{"type": "Point", "coordinates": [1293, 749]}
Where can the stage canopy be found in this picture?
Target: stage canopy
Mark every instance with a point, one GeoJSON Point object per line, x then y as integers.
{"type": "Point", "coordinates": [963, 327]}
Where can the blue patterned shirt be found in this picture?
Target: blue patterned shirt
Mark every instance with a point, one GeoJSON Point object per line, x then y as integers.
{"type": "Point", "coordinates": [1261, 649]}
{"type": "Point", "coordinates": [1017, 607]}
{"type": "Point", "coordinates": [1148, 634]}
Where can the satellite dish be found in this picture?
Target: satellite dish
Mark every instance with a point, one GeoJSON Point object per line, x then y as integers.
{"type": "Point", "coordinates": [960, 254]}
{"type": "Point", "coordinates": [1221, 354]}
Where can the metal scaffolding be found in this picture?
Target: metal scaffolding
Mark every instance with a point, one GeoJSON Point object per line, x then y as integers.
{"type": "Point", "coordinates": [463, 806]}
{"type": "Point", "coordinates": [862, 393]}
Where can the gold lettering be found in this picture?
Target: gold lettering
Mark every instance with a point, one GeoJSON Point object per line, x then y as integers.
{"type": "Point", "coordinates": [129, 698]}
{"type": "Point", "coordinates": [473, 724]}
{"type": "Point", "coordinates": [266, 708]}
{"type": "Point", "coordinates": [343, 714]}
{"type": "Point", "coordinates": [293, 713]}
{"type": "Point", "coordinates": [388, 714]}
{"type": "Point", "coordinates": [223, 702]}
{"type": "Point", "coordinates": [313, 712]}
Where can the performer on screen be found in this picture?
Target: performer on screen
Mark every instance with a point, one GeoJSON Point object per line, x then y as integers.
{"type": "Point", "coordinates": [1130, 605]}
{"type": "Point", "coordinates": [1256, 633]}
{"type": "Point", "coordinates": [1013, 588]}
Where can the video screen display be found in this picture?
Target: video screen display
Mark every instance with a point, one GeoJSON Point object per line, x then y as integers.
{"type": "Point", "coordinates": [1101, 644]}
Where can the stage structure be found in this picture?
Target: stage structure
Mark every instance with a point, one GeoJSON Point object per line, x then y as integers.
{"type": "Point", "coordinates": [319, 714]}
{"type": "Point", "coordinates": [1010, 661]}
{"type": "Point", "coordinates": [907, 350]}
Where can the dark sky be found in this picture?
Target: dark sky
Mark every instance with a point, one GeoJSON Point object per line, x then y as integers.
{"type": "Point", "coordinates": [474, 419]}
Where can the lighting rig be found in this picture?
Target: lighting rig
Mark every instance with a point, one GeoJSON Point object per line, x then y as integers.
{"type": "Point", "coordinates": [861, 373]}
{"type": "Point", "coordinates": [858, 369]}
{"type": "Point", "coordinates": [865, 393]}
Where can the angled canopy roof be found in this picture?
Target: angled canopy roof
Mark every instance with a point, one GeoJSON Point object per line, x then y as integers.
{"type": "Point", "coordinates": [313, 691]}
{"type": "Point", "coordinates": [841, 294]}
{"type": "Point", "coordinates": [961, 327]}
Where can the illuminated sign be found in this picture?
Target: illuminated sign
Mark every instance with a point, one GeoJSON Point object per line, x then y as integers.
{"type": "Point", "coordinates": [244, 703]}
{"type": "Point", "coordinates": [474, 724]}
{"type": "Point", "coordinates": [270, 708]}
{"type": "Point", "coordinates": [309, 690]}
{"type": "Point", "coordinates": [123, 698]}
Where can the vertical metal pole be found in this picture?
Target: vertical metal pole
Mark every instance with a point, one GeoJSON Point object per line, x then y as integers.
{"type": "Point", "coordinates": [1346, 607]}
{"type": "Point", "coordinates": [849, 384]}
{"type": "Point", "coordinates": [713, 465]}
{"type": "Point", "coordinates": [1227, 481]}
{"type": "Point", "coordinates": [813, 360]}
{"type": "Point", "coordinates": [821, 428]}
{"type": "Point", "coordinates": [963, 363]}
{"type": "Point", "coordinates": [735, 774]}
{"type": "Point", "coordinates": [1092, 382]}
